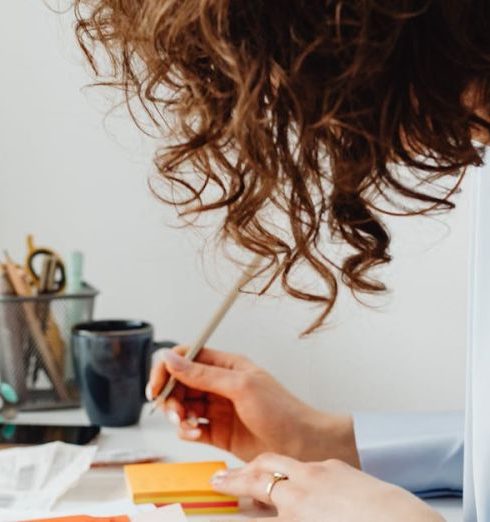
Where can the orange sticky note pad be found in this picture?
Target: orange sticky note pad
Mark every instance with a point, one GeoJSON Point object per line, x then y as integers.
{"type": "Point", "coordinates": [187, 483]}
{"type": "Point", "coordinates": [84, 518]}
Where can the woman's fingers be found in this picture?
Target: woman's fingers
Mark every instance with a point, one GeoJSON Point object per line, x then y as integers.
{"type": "Point", "coordinates": [203, 377]}
{"type": "Point", "coordinates": [251, 483]}
{"type": "Point", "coordinates": [158, 377]}
{"type": "Point", "coordinates": [190, 417]}
{"type": "Point", "coordinates": [211, 358]}
{"type": "Point", "coordinates": [274, 463]}
{"type": "Point", "coordinates": [254, 479]}
{"type": "Point", "coordinates": [175, 411]}
{"type": "Point", "coordinates": [225, 360]}
{"type": "Point", "coordinates": [158, 373]}
{"type": "Point", "coordinates": [194, 433]}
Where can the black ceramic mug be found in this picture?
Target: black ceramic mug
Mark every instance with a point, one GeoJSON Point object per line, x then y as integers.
{"type": "Point", "coordinates": [112, 360]}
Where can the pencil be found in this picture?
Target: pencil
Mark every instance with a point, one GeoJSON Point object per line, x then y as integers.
{"type": "Point", "coordinates": [42, 343]}
{"type": "Point", "coordinates": [210, 327]}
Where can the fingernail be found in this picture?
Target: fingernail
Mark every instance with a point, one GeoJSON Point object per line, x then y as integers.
{"type": "Point", "coordinates": [193, 434]}
{"type": "Point", "coordinates": [173, 417]}
{"type": "Point", "coordinates": [197, 421]}
{"type": "Point", "coordinates": [149, 392]}
{"type": "Point", "coordinates": [219, 477]}
{"type": "Point", "coordinates": [177, 362]}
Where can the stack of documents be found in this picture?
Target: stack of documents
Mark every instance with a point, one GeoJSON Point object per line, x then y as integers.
{"type": "Point", "coordinates": [188, 484]}
{"type": "Point", "coordinates": [36, 477]}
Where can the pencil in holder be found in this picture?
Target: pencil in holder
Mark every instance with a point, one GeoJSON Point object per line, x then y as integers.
{"type": "Point", "coordinates": [35, 354]}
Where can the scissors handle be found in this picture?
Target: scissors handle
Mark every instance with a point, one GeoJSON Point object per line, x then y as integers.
{"type": "Point", "coordinates": [55, 280]}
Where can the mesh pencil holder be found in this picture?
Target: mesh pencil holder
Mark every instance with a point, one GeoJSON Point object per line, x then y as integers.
{"type": "Point", "coordinates": [35, 354]}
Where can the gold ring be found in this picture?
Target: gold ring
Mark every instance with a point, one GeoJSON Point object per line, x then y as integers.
{"type": "Point", "coordinates": [276, 477]}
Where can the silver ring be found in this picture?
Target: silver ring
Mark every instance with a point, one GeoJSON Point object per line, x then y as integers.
{"type": "Point", "coordinates": [276, 477]}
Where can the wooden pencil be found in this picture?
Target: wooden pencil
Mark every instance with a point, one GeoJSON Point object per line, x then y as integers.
{"type": "Point", "coordinates": [211, 326]}
{"type": "Point", "coordinates": [22, 289]}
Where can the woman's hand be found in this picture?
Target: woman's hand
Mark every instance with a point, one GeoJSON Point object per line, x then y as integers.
{"type": "Point", "coordinates": [329, 491]}
{"type": "Point", "coordinates": [249, 412]}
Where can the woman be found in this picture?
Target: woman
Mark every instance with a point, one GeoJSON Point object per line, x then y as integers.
{"type": "Point", "coordinates": [301, 113]}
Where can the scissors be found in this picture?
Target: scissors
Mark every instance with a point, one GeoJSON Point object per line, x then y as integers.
{"type": "Point", "coordinates": [45, 268]}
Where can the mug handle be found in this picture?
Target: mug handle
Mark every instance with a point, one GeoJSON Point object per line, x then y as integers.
{"type": "Point", "coordinates": [155, 346]}
{"type": "Point", "coordinates": [162, 344]}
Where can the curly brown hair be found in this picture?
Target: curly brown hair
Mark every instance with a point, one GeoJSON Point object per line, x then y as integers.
{"type": "Point", "coordinates": [305, 107]}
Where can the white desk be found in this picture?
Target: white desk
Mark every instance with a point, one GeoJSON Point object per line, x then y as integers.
{"type": "Point", "coordinates": [101, 487]}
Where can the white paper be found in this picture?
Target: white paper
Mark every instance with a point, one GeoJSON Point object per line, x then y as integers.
{"type": "Point", "coordinates": [35, 477]}
{"type": "Point", "coordinates": [173, 513]}
{"type": "Point", "coordinates": [124, 456]}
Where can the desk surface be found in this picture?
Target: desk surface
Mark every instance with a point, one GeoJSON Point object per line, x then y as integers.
{"type": "Point", "coordinates": [100, 488]}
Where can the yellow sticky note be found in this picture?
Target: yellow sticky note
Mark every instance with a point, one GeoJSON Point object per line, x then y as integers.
{"type": "Point", "coordinates": [187, 483]}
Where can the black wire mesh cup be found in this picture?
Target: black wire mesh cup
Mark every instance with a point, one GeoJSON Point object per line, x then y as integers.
{"type": "Point", "coordinates": [35, 354]}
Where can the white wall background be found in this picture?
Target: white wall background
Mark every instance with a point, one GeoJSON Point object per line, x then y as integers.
{"type": "Point", "coordinates": [79, 183]}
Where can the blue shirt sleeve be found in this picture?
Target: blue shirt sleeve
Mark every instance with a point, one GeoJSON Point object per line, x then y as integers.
{"type": "Point", "coordinates": [421, 452]}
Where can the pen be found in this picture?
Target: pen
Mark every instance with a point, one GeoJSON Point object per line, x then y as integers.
{"type": "Point", "coordinates": [211, 326]}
